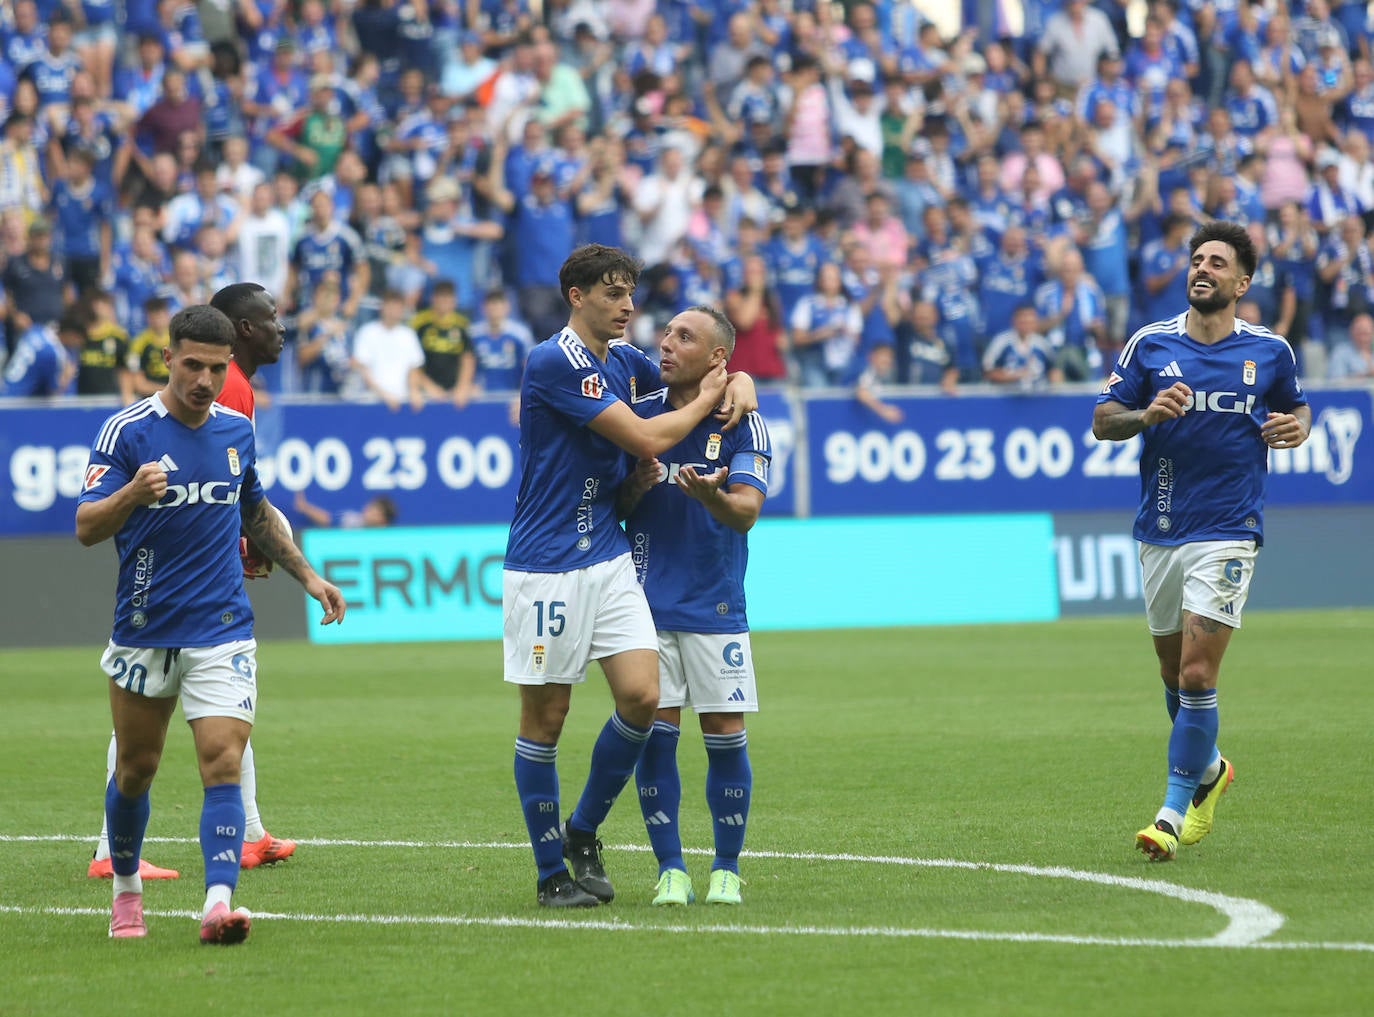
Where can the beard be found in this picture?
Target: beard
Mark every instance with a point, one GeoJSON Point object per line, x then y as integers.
{"type": "Point", "coordinates": [1210, 302]}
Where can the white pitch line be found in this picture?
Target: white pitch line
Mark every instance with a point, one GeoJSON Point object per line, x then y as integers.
{"type": "Point", "coordinates": [1249, 922]}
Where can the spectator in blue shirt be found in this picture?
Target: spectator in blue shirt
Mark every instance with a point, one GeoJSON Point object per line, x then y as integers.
{"type": "Point", "coordinates": [1073, 317]}
{"type": "Point", "coordinates": [542, 226]}
{"type": "Point", "coordinates": [1163, 267]}
{"type": "Point", "coordinates": [1009, 280]}
{"type": "Point", "coordinates": [52, 72]}
{"type": "Point", "coordinates": [26, 41]}
{"type": "Point", "coordinates": [1251, 105]}
{"type": "Point", "coordinates": [501, 344]}
{"type": "Point", "coordinates": [84, 213]}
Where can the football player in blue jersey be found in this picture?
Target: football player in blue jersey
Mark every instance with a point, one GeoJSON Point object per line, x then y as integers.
{"type": "Point", "coordinates": [1210, 395]}
{"type": "Point", "coordinates": [570, 595]}
{"type": "Point", "coordinates": [171, 479]}
{"type": "Point", "coordinates": [688, 513]}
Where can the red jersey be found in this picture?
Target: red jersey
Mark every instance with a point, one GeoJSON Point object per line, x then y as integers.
{"type": "Point", "coordinates": [237, 393]}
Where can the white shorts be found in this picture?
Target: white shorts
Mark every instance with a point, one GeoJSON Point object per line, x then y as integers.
{"type": "Point", "coordinates": [710, 672]}
{"type": "Point", "coordinates": [556, 622]}
{"type": "Point", "coordinates": [213, 681]}
{"type": "Point", "coordinates": [1210, 578]}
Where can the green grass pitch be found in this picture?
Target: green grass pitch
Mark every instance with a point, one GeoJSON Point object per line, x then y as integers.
{"type": "Point", "coordinates": [1023, 757]}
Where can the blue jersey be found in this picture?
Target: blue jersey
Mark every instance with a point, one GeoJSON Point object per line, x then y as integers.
{"type": "Point", "coordinates": [565, 508]}
{"type": "Point", "coordinates": [336, 248]}
{"type": "Point", "coordinates": [180, 576]}
{"type": "Point", "coordinates": [690, 564]}
{"type": "Point", "coordinates": [79, 216]}
{"type": "Point", "coordinates": [793, 269]}
{"type": "Point", "coordinates": [500, 354]}
{"type": "Point", "coordinates": [1202, 476]}
{"type": "Point", "coordinates": [37, 366]}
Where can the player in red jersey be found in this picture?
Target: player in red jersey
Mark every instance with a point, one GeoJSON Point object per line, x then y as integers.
{"type": "Point", "coordinates": [258, 338]}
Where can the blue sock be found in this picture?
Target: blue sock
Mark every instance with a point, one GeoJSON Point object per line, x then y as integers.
{"type": "Point", "coordinates": [729, 783]}
{"type": "Point", "coordinates": [614, 756]}
{"type": "Point", "coordinates": [536, 781]}
{"type": "Point", "coordinates": [127, 820]}
{"type": "Point", "coordinates": [221, 834]}
{"type": "Point", "coordinates": [660, 794]}
{"type": "Point", "coordinates": [1171, 703]}
{"type": "Point", "coordinates": [1192, 744]}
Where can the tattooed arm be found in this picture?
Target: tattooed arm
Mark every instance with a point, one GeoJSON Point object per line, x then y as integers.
{"type": "Point", "coordinates": [263, 527]}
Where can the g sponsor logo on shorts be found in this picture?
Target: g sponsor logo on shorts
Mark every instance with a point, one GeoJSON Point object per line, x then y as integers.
{"type": "Point", "coordinates": [243, 667]}
{"type": "Point", "coordinates": [732, 653]}
{"type": "Point", "coordinates": [1232, 571]}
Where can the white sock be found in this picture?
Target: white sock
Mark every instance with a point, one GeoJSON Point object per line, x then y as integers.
{"type": "Point", "coordinates": [220, 893]}
{"type": "Point", "coordinates": [127, 884]}
{"type": "Point", "coordinates": [1212, 772]}
{"type": "Point", "coordinates": [248, 783]}
{"type": "Point", "coordinates": [1171, 817]}
{"type": "Point", "coordinates": [102, 846]}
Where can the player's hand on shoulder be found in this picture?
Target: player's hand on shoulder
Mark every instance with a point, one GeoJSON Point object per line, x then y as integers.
{"type": "Point", "coordinates": [1168, 404]}
{"type": "Point", "coordinates": [149, 484]}
{"type": "Point", "coordinates": [741, 398]}
{"type": "Point", "coordinates": [713, 387]}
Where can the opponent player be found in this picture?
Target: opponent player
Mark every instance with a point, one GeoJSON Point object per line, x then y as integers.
{"type": "Point", "coordinates": [570, 594]}
{"type": "Point", "coordinates": [258, 336]}
{"type": "Point", "coordinates": [1211, 395]}
{"type": "Point", "coordinates": [168, 478]}
{"type": "Point", "coordinates": [689, 511]}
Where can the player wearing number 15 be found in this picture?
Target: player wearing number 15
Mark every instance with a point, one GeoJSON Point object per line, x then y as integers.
{"type": "Point", "coordinates": [570, 595]}
{"type": "Point", "coordinates": [1210, 395]}
{"type": "Point", "coordinates": [167, 479]}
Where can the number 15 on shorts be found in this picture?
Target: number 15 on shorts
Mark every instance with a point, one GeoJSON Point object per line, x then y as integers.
{"type": "Point", "coordinates": [550, 621]}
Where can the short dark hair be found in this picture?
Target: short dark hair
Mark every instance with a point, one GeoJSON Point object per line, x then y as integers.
{"type": "Point", "coordinates": [1228, 233]}
{"type": "Point", "coordinates": [444, 286]}
{"type": "Point", "coordinates": [725, 328]}
{"type": "Point", "coordinates": [235, 300]}
{"type": "Point", "coordinates": [201, 323]}
{"type": "Point", "coordinates": [594, 263]}
{"type": "Point", "coordinates": [386, 507]}
{"type": "Point", "coordinates": [154, 304]}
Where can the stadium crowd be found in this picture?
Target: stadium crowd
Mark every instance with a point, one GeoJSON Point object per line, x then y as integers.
{"type": "Point", "coordinates": [865, 197]}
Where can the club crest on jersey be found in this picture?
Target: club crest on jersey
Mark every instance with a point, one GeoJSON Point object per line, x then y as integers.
{"type": "Point", "coordinates": [1112, 379]}
{"type": "Point", "coordinates": [713, 447]}
{"type": "Point", "coordinates": [1248, 374]}
{"type": "Point", "coordinates": [93, 475]}
{"type": "Point", "coordinates": [537, 658]}
{"type": "Point", "coordinates": [591, 386]}
{"type": "Point", "coordinates": [233, 454]}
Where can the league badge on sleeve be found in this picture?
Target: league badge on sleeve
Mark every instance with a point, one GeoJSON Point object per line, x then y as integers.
{"type": "Point", "coordinates": [1112, 379]}
{"type": "Point", "coordinates": [1248, 374]}
{"type": "Point", "coordinates": [713, 447]}
{"type": "Point", "coordinates": [93, 474]}
{"type": "Point", "coordinates": [591, 386]}
{"type": "Point", "coordinates": [233, 461]}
